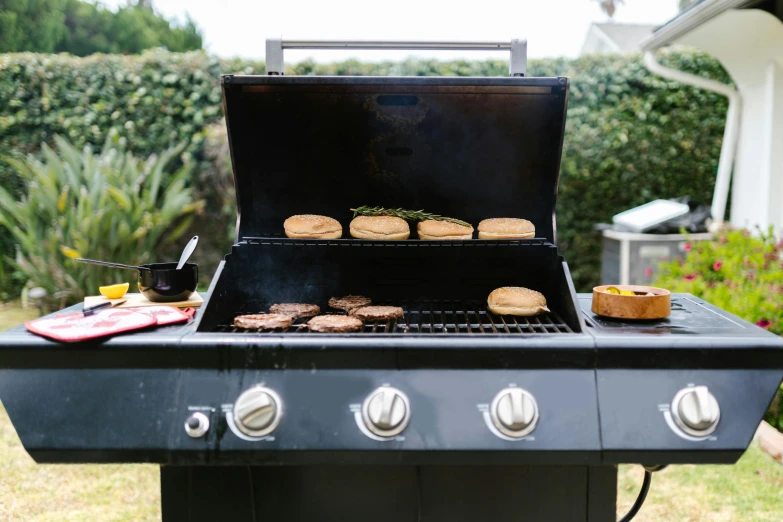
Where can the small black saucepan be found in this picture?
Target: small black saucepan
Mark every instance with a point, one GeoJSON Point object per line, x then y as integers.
{"type": "Point", "coordinates": [161, 282]}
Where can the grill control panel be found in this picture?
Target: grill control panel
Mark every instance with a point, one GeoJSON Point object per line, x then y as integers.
{"type": "Point", "coordinates": [310, 417]}
{"type": "Point", "coordinates": [383, 416]}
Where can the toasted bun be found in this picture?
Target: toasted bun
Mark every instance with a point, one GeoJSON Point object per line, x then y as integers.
{"type": "Point", "coordinates": [311, 226]}
{"type": "Point", "coordinates": [506, 228]}
{"type": "Point", "coordinates": [380, 227]}
{"type": "Point", "coordinates": [432, 229]}
{"type": "Point", "coordinates": [516, 300]}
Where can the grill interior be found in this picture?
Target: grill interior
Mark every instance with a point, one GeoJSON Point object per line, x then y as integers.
{"type": "Point", "coordinates": [441, 286]}
{"type": "Point", "coordinates": [440, 317]}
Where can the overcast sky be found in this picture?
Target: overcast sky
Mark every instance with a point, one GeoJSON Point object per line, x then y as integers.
{"type": "Point", "coordinates": [552, 27]}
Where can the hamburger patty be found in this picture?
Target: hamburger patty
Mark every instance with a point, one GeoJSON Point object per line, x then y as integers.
{"type": "Point", "coordinates": [334, 324]}
{"type": "Point", "coordinates": [349, 302]}
{"type": "Point", "coordinates": [263, 321]}
{"type": "Point", "coordinates": [295, 310]}
{"type": "Point", "coordinates": [377, 313]}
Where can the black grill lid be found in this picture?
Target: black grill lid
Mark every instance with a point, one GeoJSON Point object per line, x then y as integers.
{"type": "Point", "coordinates": [472, 148]}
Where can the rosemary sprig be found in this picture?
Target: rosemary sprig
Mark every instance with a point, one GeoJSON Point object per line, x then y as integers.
{"type": "Point", "coordinates": [407, 215]}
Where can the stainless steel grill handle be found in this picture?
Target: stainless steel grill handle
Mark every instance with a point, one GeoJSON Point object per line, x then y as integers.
{"type": "Point", "coordinates": [517, 48]}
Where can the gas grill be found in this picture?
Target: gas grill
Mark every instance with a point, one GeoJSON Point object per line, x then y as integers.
{"type": "Point", "coordinates": [451, 413]}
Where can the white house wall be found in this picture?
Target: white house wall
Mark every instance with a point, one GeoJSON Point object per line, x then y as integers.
{"type": "Point", "coordinates": [749, 45]}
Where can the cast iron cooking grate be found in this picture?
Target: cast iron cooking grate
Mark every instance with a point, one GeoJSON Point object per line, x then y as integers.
{"type": "Point", "coordinates": [440, 317]}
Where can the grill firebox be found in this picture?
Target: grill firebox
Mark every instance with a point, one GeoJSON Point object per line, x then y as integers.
{"type": "Point", "coordinates": [441, 285]}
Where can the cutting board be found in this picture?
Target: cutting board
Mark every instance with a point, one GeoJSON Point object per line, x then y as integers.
{"type": "Point", "coordinates": [136, 300]}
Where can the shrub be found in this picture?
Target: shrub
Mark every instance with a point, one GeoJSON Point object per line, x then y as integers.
{"type": "Point", "coordinates": [630, 136]}
{"type": "Point", "coordinates": [111, 206]}
{"type": "Point", "coordinates": [739, 272]}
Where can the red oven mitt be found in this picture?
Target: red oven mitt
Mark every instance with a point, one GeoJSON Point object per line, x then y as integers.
{"type": "Point", "coordinates": [164, 315]}
{"type": "Point", "coordinates": [76, 327]}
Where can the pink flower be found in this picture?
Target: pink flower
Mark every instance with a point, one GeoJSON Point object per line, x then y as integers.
{"type": "Point", "coordinates": [764, 324]}
{"type": "Point", "coordinates": [648, 272]}
{"type": "Point", "coordinates": [716, 266]}
{"type": "Point", "coordinates": [690, 277]}
{"type": "Point", "coordinates": [723, 240]}
{"type": "Point", "coordinates": [688, 247]}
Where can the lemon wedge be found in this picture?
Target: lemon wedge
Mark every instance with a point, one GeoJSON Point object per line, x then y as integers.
{"type": "Point", "coordinates": [627, 292]}
{"type": "Point", "coordinates": [114, 291]}
{"type": "Point", "coordinates": [612, 290]}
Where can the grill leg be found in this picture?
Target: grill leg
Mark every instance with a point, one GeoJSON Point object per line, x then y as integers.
{"type": "Point", "coordinates": [602, 494]}
{"type": "Point", "coordinates": [206, 494]}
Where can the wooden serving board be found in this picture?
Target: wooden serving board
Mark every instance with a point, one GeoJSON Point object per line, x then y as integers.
{"type": "Point", "coordinates": [135, 300]}
{"type": "Point", "coordinates": [645, 307]}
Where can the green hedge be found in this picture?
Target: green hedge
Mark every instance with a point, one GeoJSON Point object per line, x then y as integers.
{"type": "Point", "coordinates": [630, 136]}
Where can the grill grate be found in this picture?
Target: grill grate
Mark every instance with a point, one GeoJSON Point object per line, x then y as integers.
{"type": "Point", "coordinates": [440, 317]}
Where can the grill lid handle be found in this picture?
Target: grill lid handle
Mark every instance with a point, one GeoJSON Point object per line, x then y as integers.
{"type": "Point", "coordinates": [275, 47]}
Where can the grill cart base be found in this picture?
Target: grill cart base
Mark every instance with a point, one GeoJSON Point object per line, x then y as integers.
{"type": "Point", "coordinates": [388, 493]}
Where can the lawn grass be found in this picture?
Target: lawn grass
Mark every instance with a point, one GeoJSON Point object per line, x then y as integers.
{"type": "Point", "coordinates": [12, 314]}
{"type": "Point", "coordinates": [750, 491]}
{"type": "Point", "coordinates": [69, 493]}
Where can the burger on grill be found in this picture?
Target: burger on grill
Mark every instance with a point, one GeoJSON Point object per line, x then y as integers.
{"type": "Point", "coordinates": [295, 310]}
{"type": "Point", "coordinates": [334, 324]}
{"type": "Point", "coordinates": [263, 321]}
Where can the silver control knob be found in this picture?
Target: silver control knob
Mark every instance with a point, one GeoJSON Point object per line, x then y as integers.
{"type": "Point", "coordinates": [386, 411]}
{"type": "Point", "coordinates": [257, 411]}
{"type": "Point", "coordinates": [197, 425]}
{"type": "Point", "coordinates": [696, 411]}
{"type": "Point", "coordinates": [514, 412]}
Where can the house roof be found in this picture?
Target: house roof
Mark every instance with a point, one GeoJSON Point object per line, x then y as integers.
{"type": "Point", "coordinates": [700, 12]}
{"type": "Point", "coordinates": [626, 37]}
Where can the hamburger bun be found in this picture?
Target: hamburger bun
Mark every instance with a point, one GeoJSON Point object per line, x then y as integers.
{"type": "Point", "coordinates": [432, 229]}
{"type": "Point", "coordinates": [380, 227]}
{"type": "Point", "coordinates": [311, 226]}
{"type": "Point", "coordinates": [506, 228]}
{"type": "Point", "coordinates": [516, 300]}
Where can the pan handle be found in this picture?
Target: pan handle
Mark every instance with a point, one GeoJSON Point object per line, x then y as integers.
{"type": "Point", "coordinates": [106, 263]}
{"type": "Point", "coordinates": [275, 46]}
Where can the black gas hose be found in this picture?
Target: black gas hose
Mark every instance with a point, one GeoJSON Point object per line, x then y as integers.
{"type": "Point", "coordinates": [637, 505]}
